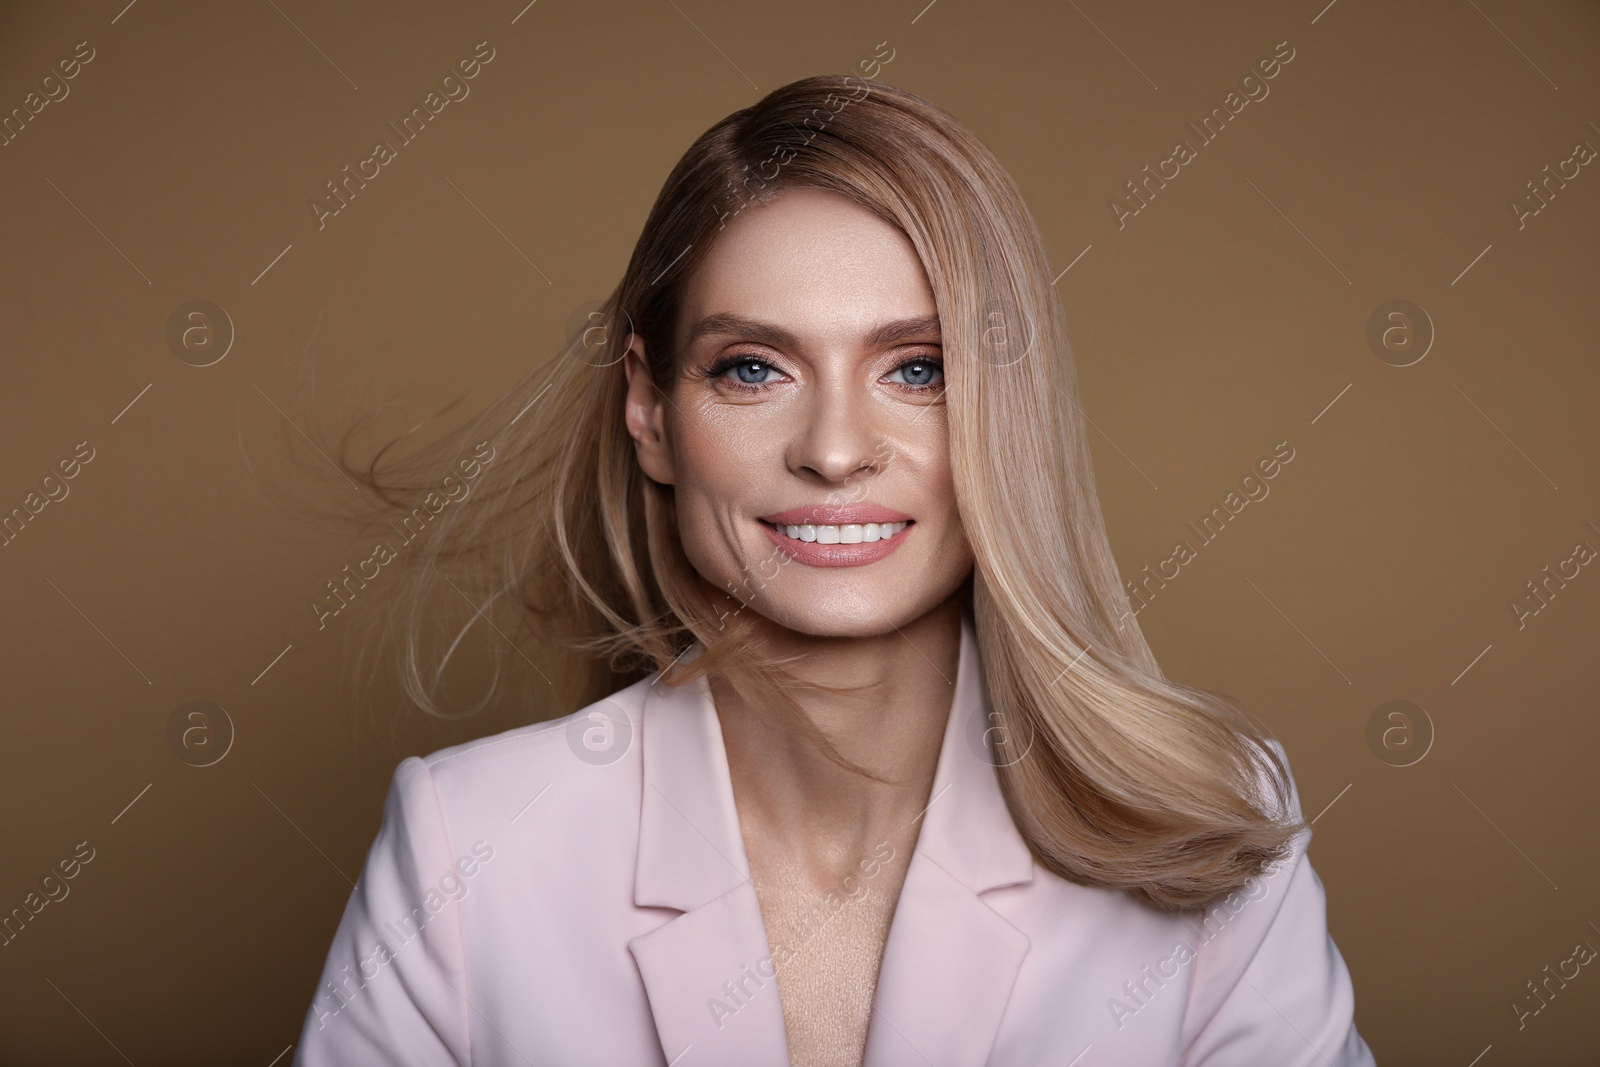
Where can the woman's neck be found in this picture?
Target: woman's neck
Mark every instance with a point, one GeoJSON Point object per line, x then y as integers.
{"type": "Point", "coordinates": [795, 799]}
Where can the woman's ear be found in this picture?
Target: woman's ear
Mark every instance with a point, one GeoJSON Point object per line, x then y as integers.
{"type": "Point", "coordinates": [646, 415]}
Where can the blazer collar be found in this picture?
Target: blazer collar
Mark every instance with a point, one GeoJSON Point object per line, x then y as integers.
{"type": "Point", "coordinates": [691, 858]}
{"type": "Point", "coordinates": [691, 848]}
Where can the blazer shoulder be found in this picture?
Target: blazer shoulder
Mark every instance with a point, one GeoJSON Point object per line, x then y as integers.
{"type": "Point", "coordinates": [1272, 936]}
{"type": "Point", "coordinates": [603, 733]}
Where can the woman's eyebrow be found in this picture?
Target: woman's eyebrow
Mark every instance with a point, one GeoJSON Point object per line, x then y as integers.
{"type": "Point", "coordinates": [887, 333]}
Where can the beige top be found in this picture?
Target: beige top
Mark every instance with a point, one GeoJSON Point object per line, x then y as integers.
{"type": "Point", "coordinates": [831, 945]}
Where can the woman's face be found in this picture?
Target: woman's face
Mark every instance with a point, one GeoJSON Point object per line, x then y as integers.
{"type": "Point", "coordinates": [809, 395]}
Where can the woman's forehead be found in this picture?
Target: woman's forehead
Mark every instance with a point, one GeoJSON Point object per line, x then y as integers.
{"type": "Point", "coordinates": [810, 261]}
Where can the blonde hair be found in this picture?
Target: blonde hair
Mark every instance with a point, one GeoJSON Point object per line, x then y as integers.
{"type": "Point", "coordinates": [1128, 780]}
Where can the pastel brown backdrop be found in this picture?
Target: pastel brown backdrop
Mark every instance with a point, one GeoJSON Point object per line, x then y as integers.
{"type": "Point", "coordinates": [1229, 314]}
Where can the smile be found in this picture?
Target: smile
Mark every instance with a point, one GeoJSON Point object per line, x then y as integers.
{"type": "Point", "coordinates": [852, 533]}
{"type": "Point", "coordinates": [838, 545]}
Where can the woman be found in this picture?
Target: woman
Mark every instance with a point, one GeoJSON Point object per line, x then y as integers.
{"type": "Point", "coordinates": [874, 765]}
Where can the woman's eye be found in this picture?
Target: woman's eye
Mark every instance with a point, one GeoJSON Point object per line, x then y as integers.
{"type": "Point", "coordinates": [751, 371]}
{"type": "Point", "coordinates": [921, 373]}
{"type": "Point", "coordinates": [747, 370]}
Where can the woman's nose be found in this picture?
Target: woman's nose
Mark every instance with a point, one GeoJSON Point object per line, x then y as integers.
{"type": "Point", "coordinates": [839, 438]}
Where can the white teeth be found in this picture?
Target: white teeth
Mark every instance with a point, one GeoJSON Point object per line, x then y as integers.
{"type": "Point", "coordinates": [848, 534]}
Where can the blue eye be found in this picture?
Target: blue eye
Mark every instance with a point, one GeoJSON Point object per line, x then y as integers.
{"type": "Point", "coordinates": [748, 363]}
{"type": "Point", "coordinates": [750, 373]}
{"type": "Point", "coordinates": [923, 369]}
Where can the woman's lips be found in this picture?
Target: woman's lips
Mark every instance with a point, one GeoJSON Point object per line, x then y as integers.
{"type": "Point", "coordinates": [815, 554]}
{"type": "Point", "coordinates": [835, 515]}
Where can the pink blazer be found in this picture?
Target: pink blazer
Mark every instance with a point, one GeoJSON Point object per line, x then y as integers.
{"type": "Point", "coordinates": [576, 892]}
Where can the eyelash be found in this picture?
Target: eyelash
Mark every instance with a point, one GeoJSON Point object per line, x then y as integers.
{"type": "Point", "coordinates": [727, 363]}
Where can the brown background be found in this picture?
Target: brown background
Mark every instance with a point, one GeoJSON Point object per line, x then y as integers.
{"type": "Point", "coordinates": [1229, 315]}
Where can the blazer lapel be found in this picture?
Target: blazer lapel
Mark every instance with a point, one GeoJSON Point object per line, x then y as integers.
{"type": "Point", "coordinates": [951, 961]}
{"type": "Point", "coordinates": [703, 974]}
{"type": "Point", "coordinates": [947, 974]}
{"type": "Point", "coordinates": [708, 971]}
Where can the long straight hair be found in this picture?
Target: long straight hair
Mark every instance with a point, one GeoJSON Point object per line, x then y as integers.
{"type": "Point", "coordinates": [1114, 775]}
